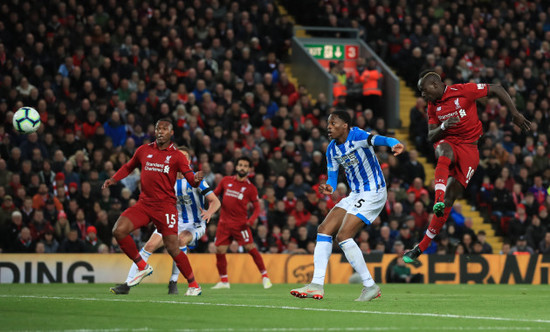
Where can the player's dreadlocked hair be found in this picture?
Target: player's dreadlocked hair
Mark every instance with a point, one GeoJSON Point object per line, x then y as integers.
{"type": "Point", "coordinates": [428, 73]}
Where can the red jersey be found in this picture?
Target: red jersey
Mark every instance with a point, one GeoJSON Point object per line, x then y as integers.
{"type": "Point", "coordinates": [159, 170]}
{"type": "Point", "coordinates": [235, 196]}
{"type": "Point", "coordinates": [459, 100]}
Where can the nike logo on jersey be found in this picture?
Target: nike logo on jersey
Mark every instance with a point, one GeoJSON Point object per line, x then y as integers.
{"type": "Point", "coordinates": [438, 109]}
{"type": "Point", "coordinates": [454, 89]}
{"type": "Point", "coordinates": [149, 156]}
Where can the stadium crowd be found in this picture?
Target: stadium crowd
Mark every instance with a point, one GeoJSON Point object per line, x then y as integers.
{"type": "Point", "coordinates": [101, 75]}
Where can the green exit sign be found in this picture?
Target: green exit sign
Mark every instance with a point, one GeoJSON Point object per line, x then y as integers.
{"type": "Point", "coordinates": [332, 52]}
{"type": "Point", "coordinates": [327, 52]}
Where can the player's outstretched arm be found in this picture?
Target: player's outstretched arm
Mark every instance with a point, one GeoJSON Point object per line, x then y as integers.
{"type": "Point", "coordinates": [124, 170]}
{"type": "Point", "coordinates": [396, 146]}
{"type": "Point", "coordinates": [502, 94]}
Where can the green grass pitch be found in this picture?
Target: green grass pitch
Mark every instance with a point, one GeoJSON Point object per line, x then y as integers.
{"type": "Point", "coordinates": [87, 307]}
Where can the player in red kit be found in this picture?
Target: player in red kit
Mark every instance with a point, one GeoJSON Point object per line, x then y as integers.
{"type": "Point", "coordinates": [454, 128]}
{"type": "Point", "coordinates": [160, 163]}
{"type": "Point", "coordinates": [237, 191]}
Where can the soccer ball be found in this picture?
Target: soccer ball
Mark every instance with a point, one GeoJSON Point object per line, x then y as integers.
{"type": "Point", "coordinates": [26, 120]}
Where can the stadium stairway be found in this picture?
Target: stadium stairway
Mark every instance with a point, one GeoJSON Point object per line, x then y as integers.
{"type": "Point", "coordinates": [299, 33]}
{"type": "Point", "coordinates": [407, 100]}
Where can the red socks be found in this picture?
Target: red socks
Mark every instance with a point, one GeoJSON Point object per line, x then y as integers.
{"type": "Point", "coordinates": [221, 263]}
{"type": "Point", "coordinates": [258, 260]}
{"type": "Point", "coordinates": [441, 176]}
{"type": "Point", "coordinates": [435, 227]}
{"type": "Point", "coordinates": [182, 262]}
{"type": "Point", "coordinates": [128, 245]}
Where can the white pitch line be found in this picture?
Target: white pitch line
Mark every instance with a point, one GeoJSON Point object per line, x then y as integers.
{"type": "Point", "coordinates": [259, 306]}
{"type": "Point", "coordinates": [316, 329]}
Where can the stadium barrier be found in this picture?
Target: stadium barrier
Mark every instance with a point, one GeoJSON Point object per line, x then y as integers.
{"type": "Point", "coordinates": [282, 268]}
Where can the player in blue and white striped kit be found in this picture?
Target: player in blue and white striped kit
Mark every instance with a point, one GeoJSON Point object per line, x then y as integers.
{"type": "Point", "coordinates": [353, 149]}
{"type": "Point", "coordinates": [192, 219]}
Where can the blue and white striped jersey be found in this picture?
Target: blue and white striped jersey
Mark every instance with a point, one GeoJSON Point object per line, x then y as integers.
{"type": "Point", "coordinates": [357, 156]}
{"type": "Point", "coordinates": [190, 199]}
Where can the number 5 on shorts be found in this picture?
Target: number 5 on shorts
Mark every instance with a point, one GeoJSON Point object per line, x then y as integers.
{"type": "Point", "coordinates": [170, 220]}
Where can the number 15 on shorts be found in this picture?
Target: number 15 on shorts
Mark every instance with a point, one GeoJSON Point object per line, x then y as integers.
{"type": "Point", "coordinates": [170, 220]}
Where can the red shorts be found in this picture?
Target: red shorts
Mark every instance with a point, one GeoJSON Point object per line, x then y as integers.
{"type": "Point", "coordinates": [227, 232]}
{"type": "Point", "coordinates": [164, 216]}
{"type": "Point", "coordinates": [466, 160]}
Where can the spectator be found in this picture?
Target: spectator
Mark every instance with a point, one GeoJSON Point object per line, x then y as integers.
{"type": "Point", "coordinates": [502, 202]}
{"type": "Point", "coordinates": [518, 226]}
{"type": "Point", "coordinates": [115, 130]}
{"type": "Point", "coordinates": [535, 232]}
{"type": "Point", "coordinates": [401, 273]}
{"type": "Point", "coordinates": [544, 245]}
{"type": "Point", "coordinates": [39, 226]}
{"type": "Point", "coordinates": [62, 227]}
{"type": "Point", "coordinates": [92, 242]}
{"type": "Point", "coordinates": [406, 237]}
{"type": "Point", "coordinates": [538, 190]}
{"type": "Point", "coordinates": [72, 243]}
{"type": "Point", "coordinates": [413, 169]}
{"type": "Point", "coordinates": [482, 239]}
{"type": "Point", "coordinates": [51, 245]}
{"type": "Point", "coordinates": [299, 213]}
{"type": "Point", "coordinates": [298, 186]}
{"type": "Point", "coordinates": [420, 216]}
{"type": "Point", "coordinates": [24, 242]}
{"type": "Point", "coordinates": [6, 210]}
{"type": "Point", "coordinates": [12, 231]}
{"type": "Point", "coordinates": [521, 247]}
{"type": "Point", "coordinates": [263, 239]}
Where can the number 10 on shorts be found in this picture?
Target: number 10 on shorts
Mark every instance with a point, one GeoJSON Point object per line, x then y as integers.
{"type": "Point", "coordinates": [170, 220]}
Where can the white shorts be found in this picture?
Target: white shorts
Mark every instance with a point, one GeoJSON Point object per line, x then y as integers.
{"type": "Point", "coordinates": [196, 229]}
{"type": "Point", "coordinates": [365, 205]}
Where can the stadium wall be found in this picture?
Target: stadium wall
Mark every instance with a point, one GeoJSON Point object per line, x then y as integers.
{"type": "Point", "coordinates": [112, 268]}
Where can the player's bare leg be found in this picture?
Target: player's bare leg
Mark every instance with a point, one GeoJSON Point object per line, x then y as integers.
{"type": "Point", "coordinates": [171, 243]}
{"type": "Point", "coordinates": [121, 231]}
{"type": "Point", "coordinates": [323, 249]}
{"type": "Point", "coordinates": [221, 264]}
{"type": "Point", "coordinates": [454, 191]}
{"type": "Point", "coordinates": [154, 242]}
{"type": "Point", "coordinates": [184, 239]}
{"type": "Point", "coordinates": [445, 158]}
{"type": "Point", "coordinates": [350, 227]}
{"type": "Point", "coordinates": [258, 260]}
